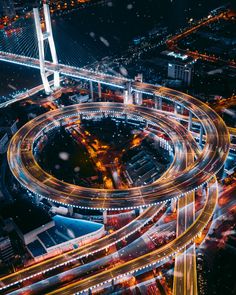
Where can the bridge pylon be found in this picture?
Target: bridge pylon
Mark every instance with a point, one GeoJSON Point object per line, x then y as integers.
{"type": "Point", "coordinates": [43, 35]}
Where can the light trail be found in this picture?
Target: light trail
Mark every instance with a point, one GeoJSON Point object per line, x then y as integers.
{"type": "Point", "coordinates": [28, 172]}
{"type": "Point", "coordinates": [202, 171]}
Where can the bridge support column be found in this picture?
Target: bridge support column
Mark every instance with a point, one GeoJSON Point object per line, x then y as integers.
{"type": "Point", "coordinates": [140, 210]}
{"type": "Point", "coordinates": [42, 36]}
{"type": "Point", "coordinates": [160, 103]}
{"type": "Point", "coordinates": [155, 102]}
{"type": "Point", "coordinates": [173, 206]}
{"type": "Point", "coordinates": [41, 51]}
{"type": "Point", "coordinates": [138, 98]}
{"type": "Point", "coordinates": [201, 135]}
{"type": "Point", "coordinates": [190, 121]}
{"type": "Point", "coordinates": [91, 90]}
{"type": "Point", "coordinates": [105, 216]}
{"type": "Point", "coordinates": [70, 210]}
{"type": "Point", "coordinates": [128, 94]}
{"type": "Point", "coordinates": [52, 46]}
{"type": "Point", "coordinates": [176, 108]}
{"type": "Point", "coordinates": [99, 90]}
{"type": "Point", "coordinates": [56, 80]}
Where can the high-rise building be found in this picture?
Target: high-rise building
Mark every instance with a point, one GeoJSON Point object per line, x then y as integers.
{"type": "Point", "coordinates": [7, 8]}
{"type": "Point", "coordinates": [180, 71]}
{"type": "Point", "coordinates": [6, 250]}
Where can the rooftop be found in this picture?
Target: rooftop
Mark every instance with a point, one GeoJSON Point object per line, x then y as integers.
{"type": "Point", "coordinates": [65, 229]}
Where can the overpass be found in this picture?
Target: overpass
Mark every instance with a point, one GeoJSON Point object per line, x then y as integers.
{"type": "Point", "coordinates": [189, 174]}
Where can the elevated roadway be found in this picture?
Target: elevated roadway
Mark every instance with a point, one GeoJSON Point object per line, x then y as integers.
{"type": "Point", "coordinates": [27, 171]}
{"type": "Point", "coordinates": [178, 164]}
{"type": "Point", "coordinates": [185, 155]}
{"type": "Point", "coordinates": [187, 178]}
{"type": "Point", "coordinates": [151, 259]}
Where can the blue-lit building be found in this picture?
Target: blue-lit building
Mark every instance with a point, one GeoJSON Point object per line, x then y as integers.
{"type": "Point", "coordinates": [61, 234]}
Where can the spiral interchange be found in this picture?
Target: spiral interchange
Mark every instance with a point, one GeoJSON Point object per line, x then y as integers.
{"type": "Point", "coordinates": [192, 167]}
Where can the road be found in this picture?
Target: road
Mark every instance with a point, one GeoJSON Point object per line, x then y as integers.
{"type": "Point", "coordinates": [152, 258]}
{"type": "Point", "coordinates": [192, 167]}
{"type": "Point", "coordinates": [27, 171]}
{"type": "Point", "coordinates": [181, 179]}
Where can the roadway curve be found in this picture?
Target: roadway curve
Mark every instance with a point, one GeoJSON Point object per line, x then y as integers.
{"type": "Point", "coordinates": [178, 164]}
{"type": "Point", "coordinates": [208, 162]}
{"type": "Point", "coordinates": [151, 259]}
{"type": "Point", "coordinates": [145, 261]}
{"type": "Point", "coordinates": [27, 171]}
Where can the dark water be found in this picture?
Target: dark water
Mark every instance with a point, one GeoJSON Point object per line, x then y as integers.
{"type": "Point", "coordinates": [87, 35]}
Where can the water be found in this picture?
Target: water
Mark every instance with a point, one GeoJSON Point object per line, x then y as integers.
{"type": "Point", "coordinates": [87, 35]}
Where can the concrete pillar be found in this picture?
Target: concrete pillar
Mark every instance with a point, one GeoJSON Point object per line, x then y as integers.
{"type": "Point", "coordinates": [41, 37]}
{"type": "Point", "coordinates": [173, 205]}
{"type": "Point", "coordinates": [105, 216]}
{"type": "Point", "coordinates": [190, 121]}
{"type": "Point", "coordinates": [56, 79]}
{"type": "Point", "coordinates": [99, 90]}
{"type": "Point", "coordinates": [51, 44]}
{"type": "Point", "coordinates": [128, 99]}
{"type": "Point", "coordinates": [138, 96]}
{"type": "Point", "coordinates": [138, 99]}
{"type": "Point", "coordinates": [201, 135]}
{"type": "Point", "coordinates": [160, 103]}
{"type": "Point", "coordinates": [70, 210]}
{"type": "Point", "coordinates": [155, 102]}
{"type": "Point", "coordinates": [175, 108]}
{"type": "Point", "coordinates": [91, 90]}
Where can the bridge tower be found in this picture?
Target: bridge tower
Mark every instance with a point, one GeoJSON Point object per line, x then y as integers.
{"type": "Point", "coordinates": [43, 35]}
{"type": "Point", "coordinates": [138, 98]}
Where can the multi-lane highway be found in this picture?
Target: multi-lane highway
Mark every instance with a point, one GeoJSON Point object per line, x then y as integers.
{"type": "Point", "coordinates": [206, 213]}
{"type": "Point", "coordinates": [183, 145]}
{"type": "Point", "coordinates": [181, 179]}
{"type": "Point", "coordinates": [152, 258]}
{"type": "Point", "coordinates": [27, 171]}
{"type": "Point", "coordinates": [194, 166]}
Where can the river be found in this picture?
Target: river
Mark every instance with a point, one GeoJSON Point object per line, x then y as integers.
{"type": "Point", "coordinates": [92, 33]}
